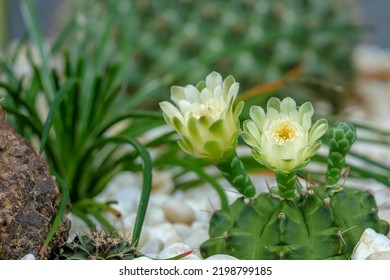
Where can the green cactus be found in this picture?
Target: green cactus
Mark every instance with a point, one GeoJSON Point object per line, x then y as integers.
{"type": "Point", "coordinates": [324, 222]}
{"type": "Point", "coordinates": [342, 136]}
{"type": "Point", "coordinates": [98, 245]}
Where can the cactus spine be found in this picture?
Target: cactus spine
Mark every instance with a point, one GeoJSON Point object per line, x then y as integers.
{"type": "Point", "coordinates": [324, 222]}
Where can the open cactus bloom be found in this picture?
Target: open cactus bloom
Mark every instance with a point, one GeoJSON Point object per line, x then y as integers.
{"type": "Point", "coordinates": [283, 139]}
{"type": "Point", "coordinates": [204, 117]}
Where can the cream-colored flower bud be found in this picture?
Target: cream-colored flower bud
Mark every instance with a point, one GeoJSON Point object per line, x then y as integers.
{"type": "Point", "coordinates": [204, 117]}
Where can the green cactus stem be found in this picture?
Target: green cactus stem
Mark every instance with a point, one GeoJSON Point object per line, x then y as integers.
{"type": "Point", "coordinates": [341, 137]}
{"type": "Point", "coordinates": [286, 184]}
{"type": "Point", "coordinates": [235, 173]}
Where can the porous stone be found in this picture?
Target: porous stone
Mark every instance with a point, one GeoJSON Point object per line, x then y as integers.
{"type": "Point", "coordinates": [29, 198]}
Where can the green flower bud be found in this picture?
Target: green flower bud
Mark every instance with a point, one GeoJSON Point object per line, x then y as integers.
{"type": "Point", "coordinates": [204, 117]}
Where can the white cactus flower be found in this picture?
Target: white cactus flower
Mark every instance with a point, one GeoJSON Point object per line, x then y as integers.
{"type": "Point", "coordinates": [283, 139]}
{"type": "Point", "coordinates": [204, 116]}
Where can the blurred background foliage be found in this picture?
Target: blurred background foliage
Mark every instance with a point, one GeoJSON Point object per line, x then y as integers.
{"type": "Point", "coordinates": [88, 95]}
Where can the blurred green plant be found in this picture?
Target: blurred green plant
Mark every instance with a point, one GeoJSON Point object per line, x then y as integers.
{"type": "Point", "coordinates": [256, 41]}
{"type": "Point", "coordinates": [72, 110]}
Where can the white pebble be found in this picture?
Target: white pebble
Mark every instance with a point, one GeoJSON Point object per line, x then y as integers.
{"type": "Point", "coordinates": [158, 199]}
{"type": "Point", "coordinates": [183, 230]}
{"type": "Point", "coordinates": [152, 247]}
{"type": "Point", "coordinates": [154, 216]}
{"type": "Point", "coordinates": [174, 250]}
{"type": "Point", "coordinates": [162, 182]}
{"type": "Point", "coordinates": [221, 257]}
{"type": "Point", "coordinates": [379, 256]}
{"type": "Point", "coordinates": [370, 242]}
{"type": "Point", "coordinates": [178, 211]}
{"type": "Point", "coordinates": [142, 259]}
{"type": "Point", "coordinates": [78, 227]}
{"type": "Point", "coordinates": [162, 231]}
{"type": "Point", "coordinates": [29, 257]}
{"type": "Point", "coordinates": [198, 225]}
{"type": "Point", "coordinates": [173, 238]}
{"type": "Point", "coordinates": [197, 238]}
{"type": "Point", "coordinates": [191, 257]}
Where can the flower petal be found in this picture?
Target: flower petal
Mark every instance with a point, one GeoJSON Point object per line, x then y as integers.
{"type": "Point", "coordinates": [317, 130]}
{"type": "Point", "coordinates": [191, 94]}
{"type": "Point", "coordinates": [288, 105]}
{"type": "Point", "coordinates": [274, 103]}
{"type": "Point", "coordinates": [257, 114]}
{"type": "Point", "coordinates": [233, 91]}
{"type": "Point", "coordinates": [185, 106]}
{"type": "Point", "coordinates": [213, 80]}
{"type": "Point", "coordinates": [206, 94]}
{"type": "Point", "coordinates": [170, 111]}
{"type": "Point", "coordinates": [177, 94]}
{"type": "Point", "coordinates": [229, 82]}
{"type": "Point", "coordinates": [238, 110]}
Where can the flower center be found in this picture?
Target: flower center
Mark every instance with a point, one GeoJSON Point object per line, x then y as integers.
{"type": "Point", "coordinates": [284, 130]}
{"type": "Point", "coordinates": [207, 110]}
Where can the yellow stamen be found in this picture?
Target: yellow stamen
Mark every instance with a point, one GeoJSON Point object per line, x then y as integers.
{"type": "Point", "coordinates": [284, 130]}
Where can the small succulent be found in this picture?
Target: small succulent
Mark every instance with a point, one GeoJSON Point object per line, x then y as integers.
{"type": "Point", "coordinates": [98, 245]}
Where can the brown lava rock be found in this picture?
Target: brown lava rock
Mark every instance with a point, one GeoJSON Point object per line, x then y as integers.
{"type": "Point", "coordinates": [29, 198]}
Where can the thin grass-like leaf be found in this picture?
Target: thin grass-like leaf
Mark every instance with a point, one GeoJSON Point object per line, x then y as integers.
{"type": "Point", "coordinates": [35, 34]}
{"type": "Point", "coordinates": [53, 109]}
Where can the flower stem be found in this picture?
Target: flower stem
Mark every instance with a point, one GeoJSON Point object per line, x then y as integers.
{"type": "Point", "coordinates": [235, 173]}
{"type": "Point", "coordinates": [286, 183]}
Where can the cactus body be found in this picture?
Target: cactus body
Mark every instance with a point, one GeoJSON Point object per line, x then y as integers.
{"type": "Point", "coordinates": [321, 225]}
